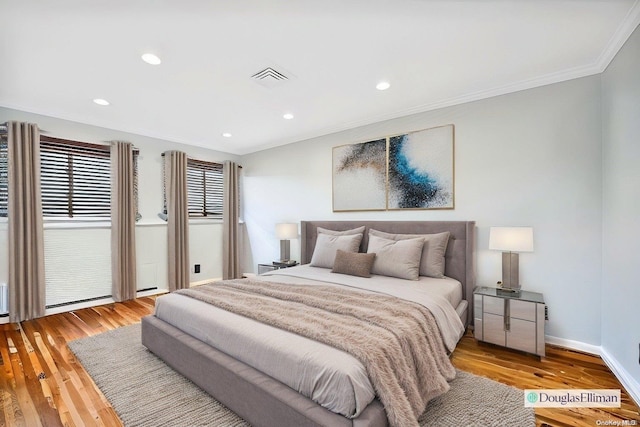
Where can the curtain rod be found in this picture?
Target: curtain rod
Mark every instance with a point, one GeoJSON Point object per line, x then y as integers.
{"type": "Point", "coordinates": [205, 161]}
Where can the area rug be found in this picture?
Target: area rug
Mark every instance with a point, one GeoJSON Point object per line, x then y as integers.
{"type": "Point", "coordinates": [146, 392]}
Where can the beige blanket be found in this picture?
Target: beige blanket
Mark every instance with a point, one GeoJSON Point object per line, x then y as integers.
{"type": "Point", "coordinates": [397, 341]}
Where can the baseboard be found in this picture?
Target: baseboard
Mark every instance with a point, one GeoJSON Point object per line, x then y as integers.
{"type": "Point", "coordinates": [630, 384]}
{"type": "Point", "coordinates": [573, 345]}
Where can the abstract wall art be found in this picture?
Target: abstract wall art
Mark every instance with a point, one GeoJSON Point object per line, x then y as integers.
{"type": "Point", "coordinates": [360, 176]}
{"type": "Point", "coordinates": [409, 171]}
{"type": "Point", "coordinates": [420, 170]}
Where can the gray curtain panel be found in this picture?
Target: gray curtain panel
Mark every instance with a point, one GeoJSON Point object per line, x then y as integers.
{"type": "Point", "coordinates": [230, 218]}
{"type": "Point", "coordinates": [26, 234]}
{"type": "Point", "coordinates": [175, 167]}
{"type": "Point", "coordinates": [123, 222]}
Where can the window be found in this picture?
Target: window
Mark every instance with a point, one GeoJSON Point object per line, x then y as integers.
{"type": "Point", "coordinates": [204, 189]}
{"type": "Point", "coordinates": [75, 178]}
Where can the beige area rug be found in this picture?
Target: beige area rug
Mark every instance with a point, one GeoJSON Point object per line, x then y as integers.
{"type": "Point", "coordinates": [146, 392]}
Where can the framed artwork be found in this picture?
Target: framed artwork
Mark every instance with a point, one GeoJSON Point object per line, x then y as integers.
{"type": "Point", "coordinates": [360, 176]}
{"type": "Point", "coordinates": [420, 170]}
{"type": "Point", "coordinates": [409, 171]}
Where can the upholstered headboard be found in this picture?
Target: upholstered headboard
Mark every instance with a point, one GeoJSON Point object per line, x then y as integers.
{"type": "Point", "coordinates": [459, 258]}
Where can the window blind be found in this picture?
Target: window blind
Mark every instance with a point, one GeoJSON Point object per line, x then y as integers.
{"type": "Point", "coordinates": [204, 188]}
{"type": "Point", "coordinates": [75, 178]}
{"type": "Point", "coordinates": [4, 172]}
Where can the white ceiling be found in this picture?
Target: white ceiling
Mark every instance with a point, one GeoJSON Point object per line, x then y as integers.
{"type": "Point", "coordinates": [57, 56]}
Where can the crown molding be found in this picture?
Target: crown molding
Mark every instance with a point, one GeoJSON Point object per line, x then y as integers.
{"type": "Point", "coordinates": [619, 38]}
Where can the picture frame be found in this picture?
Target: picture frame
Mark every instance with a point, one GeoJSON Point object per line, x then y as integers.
{"type": "Point", "coordinates": [413, 170]}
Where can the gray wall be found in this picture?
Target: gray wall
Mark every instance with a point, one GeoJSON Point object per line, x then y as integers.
{"type": "Point", "coordinates": [530, 158]}
{"type": "Point", "coordinates": [621, 212]}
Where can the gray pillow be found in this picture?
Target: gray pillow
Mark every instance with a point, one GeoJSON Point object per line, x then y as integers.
{"type": "Point", "coordinates": [359, 230]}
{"type": "Point", "coordinates": [327, 245]}
{"type": "Point", "coordinates": [353, 263]}
{"type": "Point", "coordinates": [435, 246]}
{"type": "Point", "coordinates": [396, 258]}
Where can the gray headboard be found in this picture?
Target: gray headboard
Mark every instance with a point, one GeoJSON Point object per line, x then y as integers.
{"type": "Point", "coordinates": [459, 258]}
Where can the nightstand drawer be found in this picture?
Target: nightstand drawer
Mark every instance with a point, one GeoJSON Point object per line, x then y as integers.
{"type": "Point", "coordinates": [522, 335]}
{"type": "Point", "coordinates": [493, 329]}
{"type": "Point", "coordinates": [493, 305]}
{"type": "Point", "coordinates": [522, 310]}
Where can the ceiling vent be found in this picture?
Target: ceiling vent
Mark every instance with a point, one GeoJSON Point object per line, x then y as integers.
{"type": "Point", "coordinates": [270, 77]}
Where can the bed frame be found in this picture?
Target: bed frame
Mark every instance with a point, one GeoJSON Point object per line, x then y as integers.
{"type": "Point", "coordinates": [264, 401]}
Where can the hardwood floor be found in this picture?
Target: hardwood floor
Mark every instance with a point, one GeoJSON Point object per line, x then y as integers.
{"type": "Point", "coordinates": [42, 384]}
{"type": "Point", "coordinates": [560, 369]}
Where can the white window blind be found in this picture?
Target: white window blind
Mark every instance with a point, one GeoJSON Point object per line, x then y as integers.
{"type": "Point", "coordinates": [77, 264]}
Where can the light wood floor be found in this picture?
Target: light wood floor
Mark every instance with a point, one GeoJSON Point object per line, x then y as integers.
{"type": "Point", "coordinates": [42, 384]}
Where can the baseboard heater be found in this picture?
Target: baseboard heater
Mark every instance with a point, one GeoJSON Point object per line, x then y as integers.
{"type": "Point", "coordinates": [93, 299]}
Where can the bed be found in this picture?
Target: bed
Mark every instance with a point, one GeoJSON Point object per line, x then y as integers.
{"type": "Point", "coordinates": [243, 378]}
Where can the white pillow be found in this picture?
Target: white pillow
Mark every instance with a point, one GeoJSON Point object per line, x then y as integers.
{"type": "Point", "coordinates": [396, 258]}
{"type": "Point", "coordinates": [324, 253]}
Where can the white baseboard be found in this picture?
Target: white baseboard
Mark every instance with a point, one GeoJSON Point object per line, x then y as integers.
{"type": "Point", "coordinates": [573, 345]}
{"type": "Point", "coordinates": [629, 383]}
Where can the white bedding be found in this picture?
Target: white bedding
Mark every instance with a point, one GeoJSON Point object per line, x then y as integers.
{"type": "Point", "coordinates": [330, 377]}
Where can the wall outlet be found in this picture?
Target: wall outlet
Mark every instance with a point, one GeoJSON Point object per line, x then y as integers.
{"type": "Point", "coordinates": [196, 268]}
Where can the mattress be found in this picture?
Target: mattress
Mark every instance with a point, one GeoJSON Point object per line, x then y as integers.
{"type": "Point", "coordinates": [332, 378]}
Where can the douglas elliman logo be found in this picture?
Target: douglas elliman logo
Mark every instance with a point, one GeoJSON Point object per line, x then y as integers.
{"type": "Point", "coordinates": [578, 398]}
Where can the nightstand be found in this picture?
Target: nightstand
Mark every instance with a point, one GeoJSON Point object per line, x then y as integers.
{"type": "Point", "coordinates": [513, 320]}
{"type": "Point", "coordinates": [275, 265]}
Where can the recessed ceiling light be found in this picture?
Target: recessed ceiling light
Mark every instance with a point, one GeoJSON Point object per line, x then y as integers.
{"type": "Point", "coordinates": [383, 85]}
{"type": "Point", "coordinates": [101, 101]}
{"type": "Point", "coordinates": [288, 116]}
{"type": "Point", "coordinates": [226, 135]}
{"type": "Point", "coordinates": [150, 58]}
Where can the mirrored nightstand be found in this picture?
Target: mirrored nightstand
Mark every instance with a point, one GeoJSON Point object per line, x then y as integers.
{"type": "Point", "coordinates": [510, 319]}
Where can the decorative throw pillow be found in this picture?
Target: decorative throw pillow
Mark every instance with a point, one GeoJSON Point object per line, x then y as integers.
{"type": "Point", "coordinates": [435, 246]}
{"type": "Point", "coordinates": [396, 258]}
{"type": "Point", "coordinates": [327, 245]}
{"type": "Point", "coordinates": [353, 263]}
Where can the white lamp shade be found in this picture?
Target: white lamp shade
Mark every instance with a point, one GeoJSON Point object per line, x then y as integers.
{"type": "Point", "coordinates": [511, 239]}
{"type": "Point", "coordinates": [286, 231]}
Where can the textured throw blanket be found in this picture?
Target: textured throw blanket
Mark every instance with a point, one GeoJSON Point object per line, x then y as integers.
{"type": "Point", "coordinates": [397, 341]}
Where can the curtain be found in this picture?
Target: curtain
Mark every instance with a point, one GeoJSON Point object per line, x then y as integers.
{"type": "Point", "coordinates": [230, 218]}
{"type": "Point", "coordinates": [26, 234]}
{"type": "Point", "coordinates": [175, 170]}
{"type": "Point", "coordinates": [123, 222]}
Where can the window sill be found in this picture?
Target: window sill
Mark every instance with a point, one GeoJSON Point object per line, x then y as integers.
{"type": "Point", "coordinates": [56, 224]}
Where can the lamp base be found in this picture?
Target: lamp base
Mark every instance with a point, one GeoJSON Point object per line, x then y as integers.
{"type": "Point", "coordinates": [510, 271]}
{"type": "Point", "coordinates": [285, 251]}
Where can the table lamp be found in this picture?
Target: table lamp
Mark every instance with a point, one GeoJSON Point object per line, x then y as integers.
{"type": "Point", "coordinates": [511, 241]}
{"type": "Point", "coordinates": [286, 232]}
